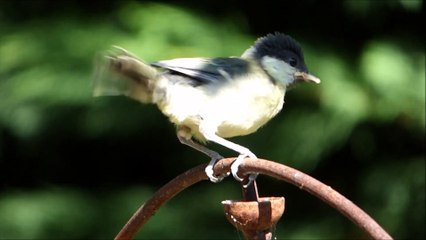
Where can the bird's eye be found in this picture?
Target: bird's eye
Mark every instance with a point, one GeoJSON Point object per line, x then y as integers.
{"type": "Point", "coordinates": [292, 62]}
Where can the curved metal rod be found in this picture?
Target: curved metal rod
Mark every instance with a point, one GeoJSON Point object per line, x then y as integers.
{"type": "Point", "coordinates": [262, 166]}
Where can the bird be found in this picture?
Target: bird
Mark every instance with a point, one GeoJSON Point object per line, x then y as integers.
{"type": "Point", "coordinates": [210, 99]}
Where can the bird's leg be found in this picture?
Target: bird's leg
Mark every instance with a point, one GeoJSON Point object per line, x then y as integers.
{"type": "Point", "coordinates": [185, 138]}
{"type": "Point", "coordinates": [244, 152]}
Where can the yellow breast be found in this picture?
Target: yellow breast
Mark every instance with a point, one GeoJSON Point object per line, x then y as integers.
{"type": "Point", "coordinates": [233, 108]}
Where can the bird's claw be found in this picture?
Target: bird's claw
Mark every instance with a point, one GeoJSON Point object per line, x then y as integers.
{"type": "Point", "coordinates": [251, 179]}
{"type": "Point", "coordinates": [210, 172]}
{"type": "Point", "coordinates": [236, 164]}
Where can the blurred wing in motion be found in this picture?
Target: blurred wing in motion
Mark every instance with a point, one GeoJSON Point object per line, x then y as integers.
{"type": "Point", "coordinates": [106, 82]}
{"type": "Point", "coordinates": [121, 73]}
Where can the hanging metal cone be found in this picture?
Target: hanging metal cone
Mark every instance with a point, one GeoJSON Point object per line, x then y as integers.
{"type": "Point", "coordinates": [255, 218]}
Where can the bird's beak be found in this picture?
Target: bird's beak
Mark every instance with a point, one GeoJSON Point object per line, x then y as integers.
{"type": "Point", "coordinates": [306, 77]}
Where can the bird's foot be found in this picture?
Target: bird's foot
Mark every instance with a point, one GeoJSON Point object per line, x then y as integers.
{"type": "Point", "coordinates": [236, 164]}
{"type": "Point", "coordinates": [210, 172]}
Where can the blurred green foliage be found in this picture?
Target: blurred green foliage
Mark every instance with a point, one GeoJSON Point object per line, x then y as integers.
{"type": "Point", "coordinates": [72, 166]}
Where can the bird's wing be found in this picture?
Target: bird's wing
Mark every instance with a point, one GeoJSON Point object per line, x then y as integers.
{"type": "Point", "coordinates": [206, 70]}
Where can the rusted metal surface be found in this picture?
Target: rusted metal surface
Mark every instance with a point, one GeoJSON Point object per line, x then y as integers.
{"type": "Point", "coordinates": [261, 166]}
{"type": "Point", "coordinates": [254, 218]}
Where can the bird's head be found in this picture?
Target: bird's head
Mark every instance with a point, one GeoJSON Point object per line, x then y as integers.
{"type": "Point", "coordinates": [282, 58]}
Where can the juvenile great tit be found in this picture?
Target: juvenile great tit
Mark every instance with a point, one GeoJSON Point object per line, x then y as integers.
{"type": "Point", "coordinates": [211, 99]}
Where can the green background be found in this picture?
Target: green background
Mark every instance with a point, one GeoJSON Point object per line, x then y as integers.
{"type": "Point", "coordinates": [77, 167]}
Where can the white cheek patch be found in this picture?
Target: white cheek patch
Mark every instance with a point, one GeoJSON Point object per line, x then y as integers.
{"type": "Point", "coordinates": [279, 70]}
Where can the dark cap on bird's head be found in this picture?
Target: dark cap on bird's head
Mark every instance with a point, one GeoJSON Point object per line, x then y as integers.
{"type": "Point", "coordinates": [282, 47]}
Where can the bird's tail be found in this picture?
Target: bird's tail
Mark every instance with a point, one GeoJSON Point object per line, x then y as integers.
{"type": "Point", "coordinates": [121, 73]}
